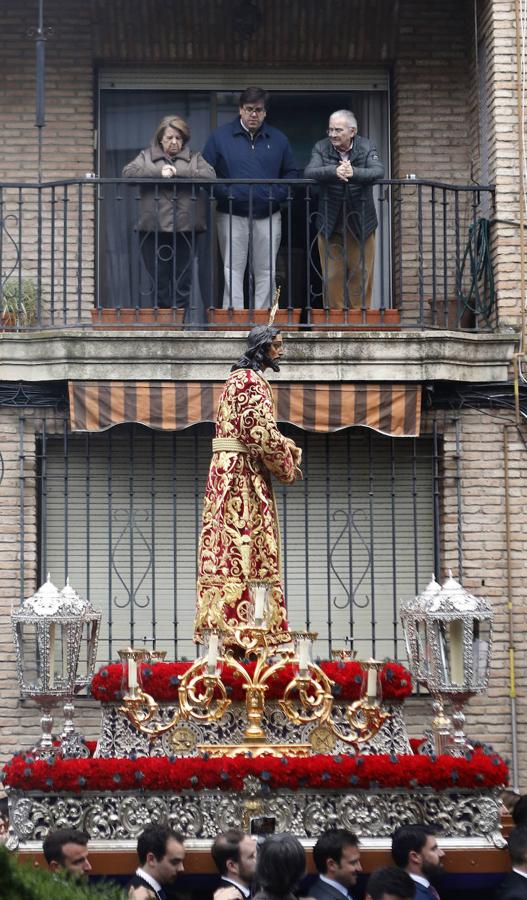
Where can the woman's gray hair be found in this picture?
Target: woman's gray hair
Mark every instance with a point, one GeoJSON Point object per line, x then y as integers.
{"type": "Point", "coordinates": [347, 114]}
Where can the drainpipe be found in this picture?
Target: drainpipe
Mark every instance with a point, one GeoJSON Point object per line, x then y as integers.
{"type": "Point", "coordinates": [510, 610]}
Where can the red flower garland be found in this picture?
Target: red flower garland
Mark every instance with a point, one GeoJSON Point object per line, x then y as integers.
{"type": "Point", "coordinates": [481, 769]}
{"type": "Point", "coordinates": [161, 680]}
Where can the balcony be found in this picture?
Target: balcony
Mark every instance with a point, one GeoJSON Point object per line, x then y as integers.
{"type": "Point", "coordinates": [83, 253]}
{"type": "Point", "coordinates": [82, 299]}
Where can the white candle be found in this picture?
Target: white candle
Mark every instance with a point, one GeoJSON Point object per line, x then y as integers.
{"type": "Point", "coordinates": [303, 654]}
{"type": "Point", "coordinates": [213, 653]}
{"type": "Point", "coordinates": [132, 671]}
{"type": "Point", "coordinates": [52, 656]}
{"type": "Point", "coordinates": [457, 667]}
{"type": "Point", "coordinates": [371, 685]}
{"type": "Point", "coordinates": [259, 600]}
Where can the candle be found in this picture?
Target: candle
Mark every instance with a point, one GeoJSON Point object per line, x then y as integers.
{"type": "Point", "coordinates": [259, 600]}
{"type": "Point", "coordinates": [371, 684]}
{"type": "Point", "coordinates": [132, 671]}
{"type": "Point", "coordinates": [303, 655]}
{"type": "Point", "coordinates": [212, 658]}
{"type": "Point", "coordinates": [457, 667]}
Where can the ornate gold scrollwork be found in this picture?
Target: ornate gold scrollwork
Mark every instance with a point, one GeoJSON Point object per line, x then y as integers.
{"type": "Point", "coordinates": [307, 698]}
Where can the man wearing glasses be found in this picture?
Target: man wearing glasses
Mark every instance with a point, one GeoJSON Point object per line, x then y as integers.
{"type": "Point", "coordinates": [249, 219]}
{"type": "Point", "coordinates": [347, 165]}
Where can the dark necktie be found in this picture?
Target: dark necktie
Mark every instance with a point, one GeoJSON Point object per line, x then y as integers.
{"type": "Point", "coordinates": [433, 893]}
{"type": "Point", "coordinates": [162, 894]}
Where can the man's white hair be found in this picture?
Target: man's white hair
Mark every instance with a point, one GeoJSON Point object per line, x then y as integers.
{"type": "Point", "coordinates": [347, 114]}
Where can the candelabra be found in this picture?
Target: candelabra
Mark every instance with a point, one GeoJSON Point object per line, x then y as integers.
{"type": "Point", "coordinates": [307, 697]}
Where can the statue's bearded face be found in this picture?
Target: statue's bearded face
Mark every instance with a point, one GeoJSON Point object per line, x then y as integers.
{"type": "Point", "coordinates": [273, 353]}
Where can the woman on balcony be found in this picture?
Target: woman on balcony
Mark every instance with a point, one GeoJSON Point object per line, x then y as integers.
{"type": "Point", "coordinates": [171, 217]}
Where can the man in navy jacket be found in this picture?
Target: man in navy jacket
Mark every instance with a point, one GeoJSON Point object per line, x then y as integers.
{"type": "Point", "coordinates": [415, 849]}
{"type": "Point", "coordinates": [249, 218]}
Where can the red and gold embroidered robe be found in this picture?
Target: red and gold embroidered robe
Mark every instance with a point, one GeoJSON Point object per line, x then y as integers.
{"type": "Point", "coordinates": [240, 540]}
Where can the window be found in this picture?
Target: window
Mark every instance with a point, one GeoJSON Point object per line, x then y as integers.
{"type": "Point", "coordinates": [121, 513]}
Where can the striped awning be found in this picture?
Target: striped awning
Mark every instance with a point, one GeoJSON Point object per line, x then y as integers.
{"type": "Point", "coordinates": [393, 409]}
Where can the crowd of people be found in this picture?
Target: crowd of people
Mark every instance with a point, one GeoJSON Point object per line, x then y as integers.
{"type": "Point", "coordinates": [249, 219]}
{"type": "Point", "coordinates": [273, 867]}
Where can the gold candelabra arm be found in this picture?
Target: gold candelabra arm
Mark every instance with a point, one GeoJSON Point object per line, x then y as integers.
{"type": "Point", "coordinates": [313, 700]}
{"type": "Point", "coordinates": [364, 718]}
{"type": "Point", "coordinates": [198, 694]}
{"type": "Point", "coordinates": [140, 708]}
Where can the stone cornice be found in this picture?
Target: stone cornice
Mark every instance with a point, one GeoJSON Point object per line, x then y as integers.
{"type": "Point", "coordinates": [194, 355]}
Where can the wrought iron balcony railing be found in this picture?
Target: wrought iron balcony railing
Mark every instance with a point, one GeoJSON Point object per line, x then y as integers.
{"type": "Point", "coordinates": [125, 252]}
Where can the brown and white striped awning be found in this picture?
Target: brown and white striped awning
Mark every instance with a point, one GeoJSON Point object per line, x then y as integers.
{"type": "Point", "coordinates": [393, 409]}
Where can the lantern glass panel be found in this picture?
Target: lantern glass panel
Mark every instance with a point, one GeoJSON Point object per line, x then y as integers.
{"type": "Point", "coordinates": [29, 655]}
{"type": "Point", "coordinates": [456, 652]}
{"type": "Point", "coordinates": [441, 660]}
{"type": "Point", "coordinates": [481, 635]}
{"type": "Point", "coordinates": [423, 650]}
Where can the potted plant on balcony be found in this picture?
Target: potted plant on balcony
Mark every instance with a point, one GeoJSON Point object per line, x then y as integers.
{"type": "Point", "coordinates": [18, 302]}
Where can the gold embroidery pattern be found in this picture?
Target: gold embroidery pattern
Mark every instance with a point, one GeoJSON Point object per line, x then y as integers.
{"type": "Point", "coordinates": [240, 539]}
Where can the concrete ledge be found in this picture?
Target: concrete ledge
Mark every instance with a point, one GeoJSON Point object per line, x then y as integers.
{"type": "Point", "coordinates": [79, 354]}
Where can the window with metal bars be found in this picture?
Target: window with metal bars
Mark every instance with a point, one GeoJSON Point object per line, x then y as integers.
{"type": "Point", "coordinates": [120, 514]}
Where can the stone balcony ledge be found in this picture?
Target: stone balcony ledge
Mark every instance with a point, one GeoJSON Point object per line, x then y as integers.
{"type": "Point", "coordinates": [140, 354]}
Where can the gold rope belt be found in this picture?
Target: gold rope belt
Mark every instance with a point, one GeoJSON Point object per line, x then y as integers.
{"type": "Point", "coordinates": [232, 444]}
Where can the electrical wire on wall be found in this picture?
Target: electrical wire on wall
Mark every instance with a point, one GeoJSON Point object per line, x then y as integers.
{"type": "Point", "coordinates": [521, 33]}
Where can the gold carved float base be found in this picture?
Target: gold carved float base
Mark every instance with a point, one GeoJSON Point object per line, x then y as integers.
{"type": "Point", "coordinates": [255, 750]}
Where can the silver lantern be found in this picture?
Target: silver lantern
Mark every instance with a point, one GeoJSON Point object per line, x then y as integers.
{"type": "Point", "coordinates": [72, 742]}
{"type": "Point", "coordinates": [48, 630]}
{"type": "Point", "coordinates": [448, 638]}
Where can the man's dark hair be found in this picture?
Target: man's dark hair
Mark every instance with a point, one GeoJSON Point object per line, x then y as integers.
{"type": "Point", "coordinates": [519, 811]}
{"type": "Point", "coordinates": [253, 95]}
{"type": "Point", "coordinates": [226, 846]}
{"type": "Point", "coordinates": [280, 865]}
{"type": "Point", "coordinates": [408, 838]}
{"type": "Point", "coordinates": [255, 356]}
{"type": "Point", "coordinates": [154, 840]}
{"type": "Point", "coordinates": [391, 880]}
{"type": "Point", "coordinates": [517, 845]}
{"type": "Point", "coordinates": [330, 845]}
{"type": "Point", "coordinates": [55, 840]}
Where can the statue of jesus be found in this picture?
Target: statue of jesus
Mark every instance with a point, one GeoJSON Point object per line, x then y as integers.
{"type": "Point", "coordinates": [240, 538]}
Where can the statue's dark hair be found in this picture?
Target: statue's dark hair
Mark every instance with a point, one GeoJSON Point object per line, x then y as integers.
{"type": "Point", "coordinates": [255, 357]}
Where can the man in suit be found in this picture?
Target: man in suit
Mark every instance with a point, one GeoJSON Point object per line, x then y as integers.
{"type": "Point", "coordinates": [234, 853]}
{"type": "Point", "coordinates": [67, 849]}
{"type": "Point", "coordinates": [161, 856]}
{"type": "Point", "coordinates": [415, 849]}
{"type": "Point", "coordinates": [346, 164]}
{"type": "Point", "coordinates": [337, 858]}
{"type": "Point", "coordinates": [515, 885]}
{"type": "Point", "coordinates": [390, 883]}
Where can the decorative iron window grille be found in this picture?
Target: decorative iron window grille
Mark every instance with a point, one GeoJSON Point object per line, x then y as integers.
{"type": "Point", "coordinates": [120, 513]}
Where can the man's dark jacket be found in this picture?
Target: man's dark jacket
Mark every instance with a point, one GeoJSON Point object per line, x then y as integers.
{"type": "Point", "coordinates": [354, 199]}
{"type": "Point", "coordinates": [137, 881]}
{"type": "Point", "coordinates": [234, 154]}
{"type": "Point", "coordinates": [513, 888]}
{"type": "Point", "coordinates": [321, 890]}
